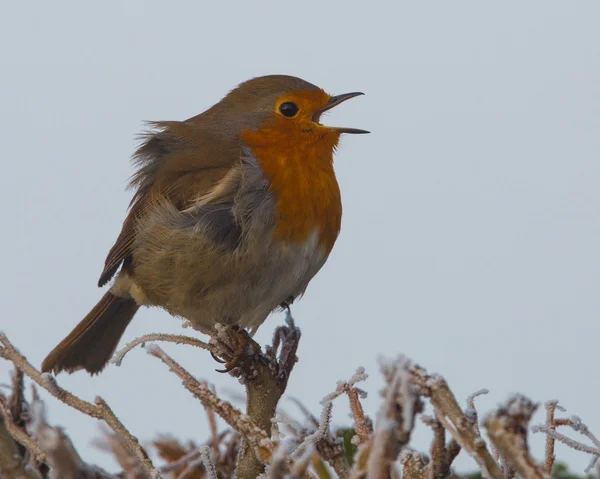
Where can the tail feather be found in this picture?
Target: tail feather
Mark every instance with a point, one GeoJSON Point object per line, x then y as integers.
{"type": "Point", "coordinates": [94, 340]}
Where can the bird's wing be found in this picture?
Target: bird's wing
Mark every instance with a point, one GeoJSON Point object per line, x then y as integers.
{"type": "Point", "coordinates": [178, 162]}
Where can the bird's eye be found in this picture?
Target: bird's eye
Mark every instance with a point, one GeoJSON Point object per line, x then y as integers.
{"type": "Point", "coordinates": [288, 109]}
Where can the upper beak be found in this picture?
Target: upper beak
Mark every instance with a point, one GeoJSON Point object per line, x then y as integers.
{"type": "Point", "coordinates": [334, 101]}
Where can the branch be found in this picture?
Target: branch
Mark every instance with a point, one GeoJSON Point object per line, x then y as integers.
{"type": "Point", "coordinates": [549, 453]}
{"type": "Point", "coordinates": [454, 420]}
{"type": "Point", "coordinates": [414, 465]}
{"type": "Point", "coordinates": [63, 459]}
{"type": "Point", "coordinates": [209, 467]}
{"type": "Point", "coordinates": [169, 338]}
{"type": "Point", "coordinates": [11, 463]}
{"type": "Point", "coordinates": [231, 415]}
{"type": "Point", "coordinates": [575, 423]}
{"type": "Point", "coordinates": [19, 434]}
{"type": "Point", "coordinates": [439, 466]}
{"type": "Point", "coordinates": [266, 380]}
{"type": "Point", "coordinates": [99, 410]}
{"type": "Point", "coordinates": [507, 429]}
{"type": "Point", "coordinates": [361, 424]}
{"type": "Point", "coordinates": [395, 419]}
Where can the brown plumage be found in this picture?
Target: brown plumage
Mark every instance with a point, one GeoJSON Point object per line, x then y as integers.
{"type": "Point", "coordinates": [235, 210]}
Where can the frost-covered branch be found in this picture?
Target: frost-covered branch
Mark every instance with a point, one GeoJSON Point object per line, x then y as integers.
{"type": "Point", "coordinates": [98, 410]}
{"type": "Point", "coordinates": [118, 357]}
{"type": "Point", "coordinates": [454, 420]}
{"type": "Point", "coordinates": [507, 428]}
{"type": "Point", "coordinates": [231, 415]}
{"type": "Point", "coordinates": [577, 425]}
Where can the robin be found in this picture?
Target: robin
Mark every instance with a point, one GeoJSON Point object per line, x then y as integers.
{"type": "Point", "coordinates": [235, 210]}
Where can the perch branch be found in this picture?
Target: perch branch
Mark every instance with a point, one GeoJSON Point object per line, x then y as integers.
{"type": "Point", "coordinates": [169, 338]}
{"type": "Point", "coordinates": [266, 379]}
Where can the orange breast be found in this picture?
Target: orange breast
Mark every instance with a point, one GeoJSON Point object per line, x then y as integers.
{"type": "Point", "coordinates": [300, 169]}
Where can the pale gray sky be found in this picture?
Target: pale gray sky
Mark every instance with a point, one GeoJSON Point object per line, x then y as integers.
{"type": "Point", "coordinates": [471, 223]}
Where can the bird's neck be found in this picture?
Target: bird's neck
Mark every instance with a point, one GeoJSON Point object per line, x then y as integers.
{"type": "Point", "coordinates": [303, 182]}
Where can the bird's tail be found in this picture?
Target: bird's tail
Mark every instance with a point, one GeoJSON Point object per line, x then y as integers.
{"type": "Point", "coordinates": [94, 340]}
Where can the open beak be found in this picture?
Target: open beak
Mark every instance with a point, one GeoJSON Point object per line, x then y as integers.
{"type": "Point", "coordinates": [334, 101]}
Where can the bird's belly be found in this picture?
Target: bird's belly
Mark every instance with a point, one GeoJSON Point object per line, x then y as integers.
{"type": "Point", "coordinates": [207, 284]}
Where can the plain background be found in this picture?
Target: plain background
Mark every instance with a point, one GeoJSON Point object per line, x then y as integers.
{"type": "Point", "coordinates": [471, 229]}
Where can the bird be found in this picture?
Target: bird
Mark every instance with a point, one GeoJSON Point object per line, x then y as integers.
{"type": "Point", "coordinates": [233, 213]}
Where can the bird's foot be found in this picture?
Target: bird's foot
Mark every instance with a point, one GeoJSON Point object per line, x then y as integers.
{"type": "Point", "coordinates": [235, 348]}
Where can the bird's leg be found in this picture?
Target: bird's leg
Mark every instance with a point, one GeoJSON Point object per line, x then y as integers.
{"type": "Point", "coordinates": [235, 344]}
{"type": "Point", "coordinates": [287, 303]}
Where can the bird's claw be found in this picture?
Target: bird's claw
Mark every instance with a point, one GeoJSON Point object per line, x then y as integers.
{"type": "Point", "coordinates": [217, 358]}
{"type": "Point", "coordinates": [236, 345]}
{"type": "Point", "coordinates": [287, 303]}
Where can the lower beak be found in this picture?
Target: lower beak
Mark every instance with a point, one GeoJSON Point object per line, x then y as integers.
{"type": "Point", "coordinates": [334, 101]}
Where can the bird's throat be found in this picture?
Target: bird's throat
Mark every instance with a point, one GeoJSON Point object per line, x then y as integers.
{"type": "Point", "coordinates": [303, 182]}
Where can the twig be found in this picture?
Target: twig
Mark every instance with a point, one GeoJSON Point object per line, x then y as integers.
{"type": "Point", "coordinates": [472, 410]}
{"type": "Point", "coordinates": [279, 464]}
{"type": "Point", "coordinates": [211, 472]}
{"type": "Point", "coordinates": [214, 434]}
{"type": "Point", "coordinates": [169, 338]}
{"type": "Point", "coordinates": [62, 457]}
{"type": "Point", "coordinates": [413, 465]}
{"type": "Point", "coordinates": [232, 416]}
{"type": "Point", "coordinates": [99, 410]}
{"type": "Point", "coordinates": [361, 426]}
{"type": "Point", "coordinates": [311, 417]}
{"type": "Point", "coordinates": [321, 432]}
{"type": "Point", "coordinates": [301, 464]}
{"type": "Point", "coordinates": [19, 434]}
{"type": "Point", "coordinates": [183, 461]}
{"type": "Point", "coordinates": [452, 451]}
{"type": "Point", "coordinates": [114, 444]}
{"type": "Point", "coordinates": [575, 423]}
{"type": "Point", "coordinates": [12, 465]}
{"type": "Point", "coordinates": [332, 450]}
{"type": "Point", "coordinates": [16, 402]}
{"type": "Point", "coordinates": [569, 442]}
{"type": "Point", "coordinates": [354, 394]}
{"type": "Point", "coordinates": [439, 466]}
{"type": "Point", "coordinates": [549, 454]}
{"type": "Point", "coordinates": [507, 429]}
{"type": "Point", "coordinates": [454, 419]}
{"type": "Point", "coordinates": [395, 418]}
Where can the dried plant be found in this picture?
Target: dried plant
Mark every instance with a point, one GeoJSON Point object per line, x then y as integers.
{"type": "Point", "coordinates": [265, 442]}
